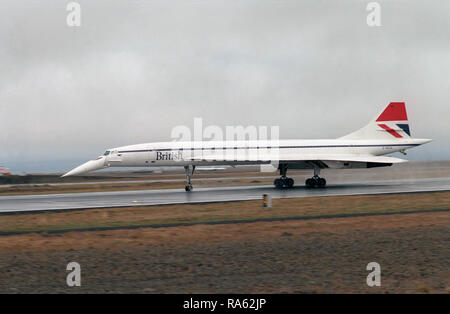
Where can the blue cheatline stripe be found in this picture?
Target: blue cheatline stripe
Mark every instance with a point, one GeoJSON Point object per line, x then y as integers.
{"type": "Point", "coordinates": [264, 147]}
{"type": "Point", "coordinates": [404, 127]}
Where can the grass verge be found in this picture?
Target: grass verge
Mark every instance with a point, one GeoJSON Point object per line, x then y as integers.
{"type": "Point", "coordinates": [227, 211]}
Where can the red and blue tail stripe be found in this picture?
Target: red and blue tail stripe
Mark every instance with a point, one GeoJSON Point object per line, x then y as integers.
{"type": "Point", "coordinates": [394, 112]}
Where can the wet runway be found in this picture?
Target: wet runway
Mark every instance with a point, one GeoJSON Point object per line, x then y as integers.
{"type": "Point", "coordinates": [200, 195]}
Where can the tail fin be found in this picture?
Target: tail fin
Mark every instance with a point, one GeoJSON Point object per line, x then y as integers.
{"type": "Point", "coordinates": [392, 123]}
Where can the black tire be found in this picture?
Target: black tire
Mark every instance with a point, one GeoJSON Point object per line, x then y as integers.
{"type": "Point", "coordinates": [188, 188]}
{"type": "Point", "coordinates": [310, 183]}
{"type": "Point", "coordinates": [321, 182]}
{"type": "Point", "coordinates": [289, 182]}
{"type": "Point", "coordinates": [278, 183]}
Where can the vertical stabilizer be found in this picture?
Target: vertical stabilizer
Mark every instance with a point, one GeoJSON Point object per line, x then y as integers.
{"type": "Point", "coordinates": [392, 123]}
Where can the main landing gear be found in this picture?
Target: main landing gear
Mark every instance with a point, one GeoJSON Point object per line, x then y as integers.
{"type": "Point", "coordinates": [189, 172]}
{"type": "Point", "coordinates": [283, 181]}
{"type": "Point", "coordinates": [316, 181]}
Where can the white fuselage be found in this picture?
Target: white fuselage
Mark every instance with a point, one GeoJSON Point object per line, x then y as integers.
{"type": "Point", "coordinates": [246, 152]}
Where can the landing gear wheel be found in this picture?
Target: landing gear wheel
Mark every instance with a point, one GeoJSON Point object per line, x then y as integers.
{"type": "Point", "coordinates": [289, 182]}
{"type": "Point", "coordinates": [283, 182]}
{"type": "Point", "coordinates": [310, 183]}
{"type": "Point", "coordinates": [315, 182]}
{"type": "Point", "coordinates": [188, 188]}
{"type": "Point", "coordinates": [321, 182]}
{"type": "Point", "coordinates": [278, 183]}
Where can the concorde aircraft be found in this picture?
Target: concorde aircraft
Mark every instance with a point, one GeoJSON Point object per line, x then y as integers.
{"type": "Point", "coordinates": [386, 134]}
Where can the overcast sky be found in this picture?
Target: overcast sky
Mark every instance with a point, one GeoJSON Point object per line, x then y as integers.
{"type": "Point", "coordinates": [136, 69]}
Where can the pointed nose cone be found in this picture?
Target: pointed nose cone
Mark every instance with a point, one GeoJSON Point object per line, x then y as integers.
{"type": "Point", "coordinates": [91, 165]}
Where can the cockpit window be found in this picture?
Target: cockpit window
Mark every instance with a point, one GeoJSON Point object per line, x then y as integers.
{"type": "Point", "coordinates": [106, 153]}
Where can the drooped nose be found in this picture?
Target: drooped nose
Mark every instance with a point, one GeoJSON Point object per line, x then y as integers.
{"type": "Point", "coordinates": [91, 165]}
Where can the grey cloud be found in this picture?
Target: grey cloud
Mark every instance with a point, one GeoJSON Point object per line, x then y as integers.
{"type": "Point", "coordinates": [136, 69]}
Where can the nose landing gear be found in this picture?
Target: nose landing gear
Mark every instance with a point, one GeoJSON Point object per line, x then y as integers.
{"type": "Point", "coordinates": [189, 172]}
